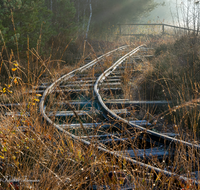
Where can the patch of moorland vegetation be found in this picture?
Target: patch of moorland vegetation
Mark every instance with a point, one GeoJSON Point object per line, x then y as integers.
{"type": "Point", "coordinates": [44, 155]}
{"type": "Point", "coordinates": [175, 77]}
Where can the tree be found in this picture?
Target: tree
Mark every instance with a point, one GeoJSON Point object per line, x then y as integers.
{"type": "Point", "coordinates": [22, 19]}
{"type": "Point", "coordinates": [39, 20]}
{"type": "Point", "coordinates": [63, 15]}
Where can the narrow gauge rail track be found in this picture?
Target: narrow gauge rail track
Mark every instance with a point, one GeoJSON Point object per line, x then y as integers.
{"type": "Point", "coordinates": [75, 105]}
{"type": "Point", "coordinates": [107, 83]}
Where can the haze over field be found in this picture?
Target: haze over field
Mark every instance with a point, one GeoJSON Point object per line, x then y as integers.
{"type": "Point", "coordinates": [151, 10]}
{"type": "Point", "coordinates": [166, 11]}
{"type": "Point", "coordinates": [174, 12]}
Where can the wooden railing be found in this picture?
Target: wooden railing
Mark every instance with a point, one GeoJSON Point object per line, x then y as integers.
{"type": "Point", "coordinates": [162, 25]}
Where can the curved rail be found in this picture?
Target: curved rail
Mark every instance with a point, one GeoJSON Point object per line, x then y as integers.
{"type": "Point", "coordinates": [154, 135]}
{"type": "Point", "coordinates": [64, 78]}
{"type": "Point", "coordinates": [99, 80]}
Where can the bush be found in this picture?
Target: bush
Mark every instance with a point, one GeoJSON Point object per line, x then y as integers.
{"type": "Point", "coordinates": [175, 77]}
{"type": "Point", "coordinates": [175, 64]}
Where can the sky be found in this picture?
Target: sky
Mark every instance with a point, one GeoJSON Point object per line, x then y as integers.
{"type": "Point", "coordinates": [166, 12]}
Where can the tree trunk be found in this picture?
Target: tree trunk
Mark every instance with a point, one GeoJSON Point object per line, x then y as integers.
{"type": "Point", "coordinates": [88, 26]}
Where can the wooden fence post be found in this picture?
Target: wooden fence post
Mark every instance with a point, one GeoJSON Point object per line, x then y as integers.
{"type": "Point", "coordinates": [163, 29]}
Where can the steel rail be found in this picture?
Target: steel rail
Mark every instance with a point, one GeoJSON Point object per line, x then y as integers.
{"type": "Point", "coordinates": [101, 78]}
{"type": "Point", "coordinates": [71, 74]}
{"type": "Point", "coordinates": [99, 147]}
{"type": "Point", "coordinates": [64, 78]}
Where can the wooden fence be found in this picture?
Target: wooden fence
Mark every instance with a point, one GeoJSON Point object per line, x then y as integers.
{"type": "Point", "coordinates": [163, 30]}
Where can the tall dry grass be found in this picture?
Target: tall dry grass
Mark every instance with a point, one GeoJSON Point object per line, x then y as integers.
{"type": "Point", "coordinates": [31, 149]}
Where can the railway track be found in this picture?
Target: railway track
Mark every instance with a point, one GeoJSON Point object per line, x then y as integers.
{"type": "Point", "coordinates": [90, 105]}
{"type": "Point", "coordinates": [118, 135]}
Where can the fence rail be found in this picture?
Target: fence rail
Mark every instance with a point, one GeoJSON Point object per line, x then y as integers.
{"type": "Point", "coordinates": [162, 25]}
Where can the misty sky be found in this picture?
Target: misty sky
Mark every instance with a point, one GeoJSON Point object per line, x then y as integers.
{"type": "Point", "coordinates": [163, 13]}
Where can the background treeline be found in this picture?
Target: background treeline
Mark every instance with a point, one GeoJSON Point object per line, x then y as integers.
{"type": "Point", "coordinates": [106, 14]}
{"type": "Point", "coordinates": [36, 21]}
{"type": "Point", "coordinates": [42, 22]}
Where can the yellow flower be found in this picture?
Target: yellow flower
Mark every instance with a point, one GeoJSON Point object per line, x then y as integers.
{"type": "Point", "coordinates": [9, 91]}
{"type": "Point", "coordinates": [14, 69]}
{"type": "Point", "coordinates": [15, 80]}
